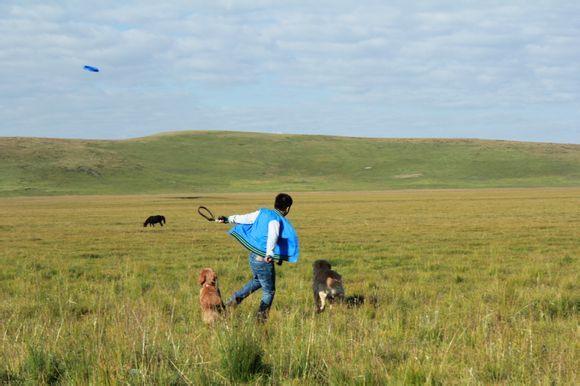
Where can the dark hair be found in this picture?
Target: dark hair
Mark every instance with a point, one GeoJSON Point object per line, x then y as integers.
{"type": "Point", "coordinates": [283, 201]}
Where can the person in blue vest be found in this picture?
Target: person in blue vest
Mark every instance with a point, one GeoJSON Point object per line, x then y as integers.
{"type": "Point", "coordinates": [270, 238]}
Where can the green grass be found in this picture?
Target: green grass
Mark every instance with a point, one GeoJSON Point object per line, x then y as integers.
{"type": "Point", "coordinates": [242, 162]}
{"type": "Point", "coordinates": [467, 287]}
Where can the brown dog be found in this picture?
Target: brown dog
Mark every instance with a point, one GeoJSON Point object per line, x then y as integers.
{"type": "Point", "coordinates": [326, 285]}
{"type": "Point", "coordinates": [209, 296]}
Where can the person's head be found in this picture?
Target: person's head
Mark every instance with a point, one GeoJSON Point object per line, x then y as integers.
{"type": "Point", "coordinates": [283, 203]}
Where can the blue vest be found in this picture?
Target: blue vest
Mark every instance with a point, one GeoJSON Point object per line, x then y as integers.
{"type": "Point", "coordinates": [255, 236]}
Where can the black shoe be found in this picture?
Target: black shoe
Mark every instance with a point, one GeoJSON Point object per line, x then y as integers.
{"type": "Point", "coordinates": [262, 314]}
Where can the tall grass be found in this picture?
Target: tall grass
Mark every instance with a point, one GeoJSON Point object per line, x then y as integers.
{"type": "Point", "coordinates": [462, 287]}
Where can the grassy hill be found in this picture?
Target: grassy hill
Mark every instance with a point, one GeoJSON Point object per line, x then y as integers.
{"type": "Point", "coordinates": [233, 161]}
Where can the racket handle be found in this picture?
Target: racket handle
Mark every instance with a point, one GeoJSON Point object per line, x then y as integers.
{"type": "Point", "coordinates": [222, 219]}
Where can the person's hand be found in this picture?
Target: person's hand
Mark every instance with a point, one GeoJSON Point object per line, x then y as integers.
{"type": "Point", "coordinates": [279, 262]}
{"type": "Point", "coordinates": [268, 259]}
{"type": "Point", "coordinates": [222, 219]}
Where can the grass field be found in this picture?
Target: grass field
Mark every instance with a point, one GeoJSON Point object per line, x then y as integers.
{"type": "Point", "coordinates": [469, 287]}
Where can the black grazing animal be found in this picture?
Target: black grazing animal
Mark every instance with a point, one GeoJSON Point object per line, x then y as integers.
{"type": "Point", "coordinates": [152, 220]}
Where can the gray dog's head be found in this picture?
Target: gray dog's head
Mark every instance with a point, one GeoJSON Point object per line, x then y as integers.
{"type": "Point", "coordinates": [321, 265]}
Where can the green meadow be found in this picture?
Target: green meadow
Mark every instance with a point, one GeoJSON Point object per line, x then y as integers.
{"type": "Point", "coordinates": [461, 286]}
{"type": "Point", "coordinates": [252, 162]}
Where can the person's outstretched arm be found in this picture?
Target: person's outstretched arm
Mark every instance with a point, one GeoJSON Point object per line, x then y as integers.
{"type": "Point", "coordinates": [248, 218]}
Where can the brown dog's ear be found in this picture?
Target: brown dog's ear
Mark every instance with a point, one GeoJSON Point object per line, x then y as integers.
{"type": "Point", "coordinates": [211, 277]}
{"type": "Point", "coordinates": [202, 276]}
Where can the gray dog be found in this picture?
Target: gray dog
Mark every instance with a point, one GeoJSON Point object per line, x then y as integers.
{"type": "Point", "coordinates": [326, 285]}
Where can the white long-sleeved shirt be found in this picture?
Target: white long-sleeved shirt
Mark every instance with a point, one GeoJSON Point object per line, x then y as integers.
{"type": "Point", "coordinates": [273, 228]}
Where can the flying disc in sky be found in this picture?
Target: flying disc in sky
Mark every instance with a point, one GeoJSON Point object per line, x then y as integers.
{"type": "Point", "coordinates": [91, 68]}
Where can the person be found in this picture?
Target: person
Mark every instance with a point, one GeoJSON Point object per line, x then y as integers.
{"type": "Point", "coordinates": [270, 238]}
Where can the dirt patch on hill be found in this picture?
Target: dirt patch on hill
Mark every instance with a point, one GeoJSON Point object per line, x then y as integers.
{"type": "Point", "coordinates": [410, 175]}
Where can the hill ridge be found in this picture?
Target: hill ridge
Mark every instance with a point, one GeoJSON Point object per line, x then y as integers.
{"type": "Point", "coordinates": [229, 161]}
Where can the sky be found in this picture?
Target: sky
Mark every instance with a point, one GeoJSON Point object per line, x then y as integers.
{"type": "Point", "coordinates": [505, 70]}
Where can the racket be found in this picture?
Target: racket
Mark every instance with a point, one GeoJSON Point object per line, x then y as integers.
{"type": "Point", "coordinates": [205, 213]}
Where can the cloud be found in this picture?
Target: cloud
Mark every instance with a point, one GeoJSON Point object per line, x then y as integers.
{"type": "Point", "coordinates": [248, 64]}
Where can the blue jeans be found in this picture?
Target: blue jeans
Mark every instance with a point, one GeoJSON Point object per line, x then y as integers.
{"type": "Point", "coordinates": [264, 277]}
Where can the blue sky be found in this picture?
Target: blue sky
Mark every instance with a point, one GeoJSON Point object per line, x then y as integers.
{"type": "Point", "coordinates": [445, 69]}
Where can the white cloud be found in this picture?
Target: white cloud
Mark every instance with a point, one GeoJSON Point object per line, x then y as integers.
{"type": "Point", "coordinates": [175, 56]}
